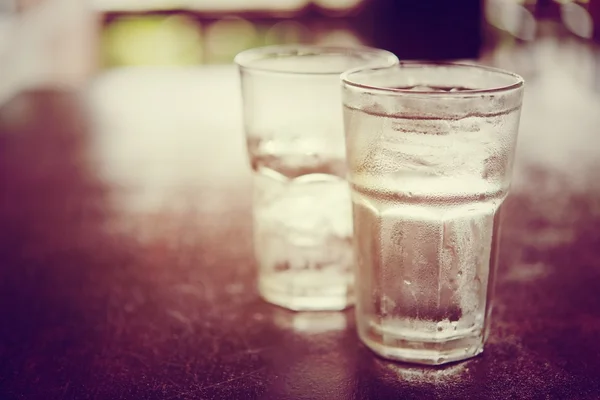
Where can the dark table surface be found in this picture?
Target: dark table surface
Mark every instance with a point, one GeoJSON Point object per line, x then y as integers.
{"type": "Point", "coordinates": [126, 257]}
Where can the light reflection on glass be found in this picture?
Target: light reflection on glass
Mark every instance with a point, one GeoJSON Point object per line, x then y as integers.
{"type": "Point", "coordinates": [310, 322]}
{"type": "Point", "coordinates": [453, 373]}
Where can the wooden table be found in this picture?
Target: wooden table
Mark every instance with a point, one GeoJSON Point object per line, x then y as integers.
{"type": "Point", "coordinates": [126, 258]}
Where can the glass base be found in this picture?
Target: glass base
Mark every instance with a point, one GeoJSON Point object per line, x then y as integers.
{"type": "Point", "coordinates": [299, 298]}
{"type": "Point", "coordinates": [419, 351]}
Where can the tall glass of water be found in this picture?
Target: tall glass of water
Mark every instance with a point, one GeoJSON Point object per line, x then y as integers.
{"type": "Point", "coordinates": [430, 151]}
{"type": "Point", "coordinates": [295, 135]}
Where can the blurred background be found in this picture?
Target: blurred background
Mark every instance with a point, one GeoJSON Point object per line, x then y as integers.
{"type": "Point", "coordinates": [159, 72]}
{"type": "Point", "coordinates": [161, 84]}
{"type": "Point", "coordinates": [68, 41]}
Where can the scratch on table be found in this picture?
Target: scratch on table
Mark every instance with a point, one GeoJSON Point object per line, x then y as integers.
{"type": "Point", "coordinates": [237, 378]}
{"type": "Point", "coordinates": [214, 385]}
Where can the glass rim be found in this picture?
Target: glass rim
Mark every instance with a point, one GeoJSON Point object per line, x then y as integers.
{"type": "Point", "coordinates": [347, 80]}
{"type": "Point", "coordinates": [245, 58]}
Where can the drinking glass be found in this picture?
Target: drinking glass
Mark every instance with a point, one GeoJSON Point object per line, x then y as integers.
{"type": "Point", "coordinates": [430, 150]}
{"type": "Point", "coordinates": [295, 137]}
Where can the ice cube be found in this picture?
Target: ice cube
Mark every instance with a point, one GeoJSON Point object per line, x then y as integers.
{"type": "Point", "coordinates": [312, 220]}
